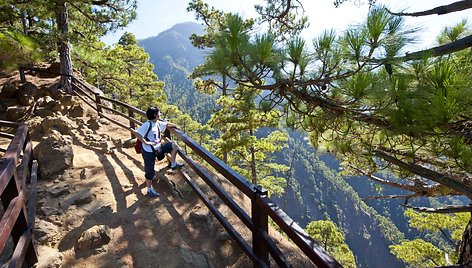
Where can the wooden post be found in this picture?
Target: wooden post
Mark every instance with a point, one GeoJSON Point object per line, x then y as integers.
{"type": "Point", "coordinates": [98, 102]}
{"type": "Point", "coordinates": [131, 122]}
{"type": "Point", "coordinates": [260, 219]}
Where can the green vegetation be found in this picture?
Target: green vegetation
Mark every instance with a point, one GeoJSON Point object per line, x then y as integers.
{"type": "Point", "coordinates": [332, 240]}
{"type": "Point", "coordinates": [420, 253]}
{"type": "Point", "coordinates": [16, 48]}
{"type": "Point", "coordinates": [239, 119]}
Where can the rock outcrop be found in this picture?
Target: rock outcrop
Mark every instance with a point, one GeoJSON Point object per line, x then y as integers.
{"type": "Point", "coordinates": [54, 153]}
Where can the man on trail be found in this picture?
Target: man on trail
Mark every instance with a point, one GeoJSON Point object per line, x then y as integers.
{"type": "Point", "coordinates": [151, 135]}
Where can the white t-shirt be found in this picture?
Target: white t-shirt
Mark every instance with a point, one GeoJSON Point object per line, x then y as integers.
{"type": "Point", "coordinates": [155, 134]}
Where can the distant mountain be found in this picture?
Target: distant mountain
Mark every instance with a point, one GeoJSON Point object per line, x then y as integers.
{"type": "Point", "coordinates": [172, 49]}
{"type": "Point", "coordinates": [174, 58]}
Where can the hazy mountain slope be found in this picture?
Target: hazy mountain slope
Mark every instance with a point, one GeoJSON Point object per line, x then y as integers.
{"type": "Point", "coordinates": [174, 57]}
{"type": "Point", "coordinates": [316, 191]}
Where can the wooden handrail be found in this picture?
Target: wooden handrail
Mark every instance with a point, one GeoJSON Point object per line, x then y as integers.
{"type": "Point", "coordinates": [9, 218]}
{"type": "Point", "coordinates": [313, 251]}
{"type": "Point", "coordinates": [17, 222]}
{"type": "Point", "coordinates": [141, 112]}
{"type": "Point", "coordinates": [237, 210]}
{"type": "Point", "coordinates": [228, 227]}
{"type": "Point", "coordinates": [261, 204]}
{"type": "Point", "coordinates": [121, 114]}
{"type": "Point", "coordinates": [235, 178]}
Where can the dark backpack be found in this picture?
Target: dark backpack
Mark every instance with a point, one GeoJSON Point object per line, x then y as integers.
{"type": "Point", "coordinates": [139, 145]}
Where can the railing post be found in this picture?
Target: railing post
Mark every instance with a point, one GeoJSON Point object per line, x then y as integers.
{"type": "Point", "coordinates": [98, 102]}
{"type": "Point", "coordinates": [260, 219]}
{"type": "Point", "coordinates": [131, 122]}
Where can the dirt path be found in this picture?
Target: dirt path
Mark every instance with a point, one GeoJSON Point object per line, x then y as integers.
{"type": "Point", "coordinates": [145, 232]}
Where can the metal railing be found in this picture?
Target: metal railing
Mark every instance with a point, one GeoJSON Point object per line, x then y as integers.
{"type": "Point", "coordinates": [261, 206]}
{"type": "Point", "coordinates": [16, 166]}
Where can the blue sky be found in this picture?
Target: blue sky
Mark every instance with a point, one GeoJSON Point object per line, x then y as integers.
{"type": "Point", "coordinates": [155, 16]}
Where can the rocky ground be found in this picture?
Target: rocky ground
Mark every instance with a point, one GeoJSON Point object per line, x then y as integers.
{"type": "Point", "coordinates": [92, 208]}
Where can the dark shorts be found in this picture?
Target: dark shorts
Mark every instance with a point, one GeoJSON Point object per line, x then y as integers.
{"type": "Point", "coordinates": [150, 160]}
{"type": "Point", "coordinates": [166, 147]}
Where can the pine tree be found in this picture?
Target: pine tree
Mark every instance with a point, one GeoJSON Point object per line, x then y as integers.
{"type": "Point", "coordinates": [361, 98]}
{"type": "Point", "coordinates": [56, 24]}
{"type": "Point", "coordinates": [332, 240]}
{"type": "Point", "coordinates": [239, 120]}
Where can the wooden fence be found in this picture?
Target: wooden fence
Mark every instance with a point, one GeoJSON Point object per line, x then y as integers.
{"type": "Point", "coordinates": [261, 206]}
{"type": "Point", "coordinates": [17, 222]}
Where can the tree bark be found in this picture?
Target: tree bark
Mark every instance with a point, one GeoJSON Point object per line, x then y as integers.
{"type": "Point", "coordinates": [465, 257]}
{"type": "Point", "coordinates": [441, 10]}
{"type": "Point", "coordinates": [253, 162]}
{"type": "Point", "coordinates": [63, 46]}
{"type": "Point", "coordinates": [253, 166]}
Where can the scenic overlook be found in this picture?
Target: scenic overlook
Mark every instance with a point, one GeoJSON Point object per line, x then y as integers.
{"type": "Point", "coordinates": [251, 133]}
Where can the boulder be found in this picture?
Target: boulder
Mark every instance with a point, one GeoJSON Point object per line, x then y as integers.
{"type": "Point", "coordinates": [26, 94]}
{"type": "Point", "coordinates": [201, 217]}
{"type": "Point", "coordinates": [44, 230]}
{"type": "Point", "coordinates": [9, 90]}
{"type": "Point", "coordinates": [44, 101]}
{"type": "Point", "coordinates": [54, 154]}
{"type": "Point", "coordinates": [55, 92]}
{"type": "Point", "coordinates": [34, 127]}
{"type": "Point", "coordinates": [93, 123]}
{"type": "Point", "coordinates": [15, 113]}
{"type": "Point", "coordinates": [77, 111]}
{"type": "Point", "coordinates": [59, 123]}
{"type": "Point", "coordinates": [50, 257]}
{"type": "Point", "coordinates": [69, 100]}
{"type": "Point", "coordinates": [44, 112]}
{"type": "Point", "coordinates": [86, 173]}
{"type": "Point", "coordinates": [58, 107]}
{"type": "Point", "coordinates": [7, 102]}
{"type": "Point", "coordinates": [95, 237]}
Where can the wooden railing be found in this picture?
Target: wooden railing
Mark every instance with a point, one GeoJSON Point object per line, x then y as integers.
{"type": "Point", "coordinates": [261, 206]}
{"type": "Point", "coordinates": [17, 222]}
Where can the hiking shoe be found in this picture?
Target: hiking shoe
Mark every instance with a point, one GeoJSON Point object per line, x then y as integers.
{"type": "Point", "coordinates": [177, 166]}
{"type": "Point", "coordinates": [152, 193]}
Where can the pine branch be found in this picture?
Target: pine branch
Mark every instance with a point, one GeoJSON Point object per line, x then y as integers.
{"type": "Point", "coordinates": [391, 197]}
{"type": "Point", "coordinates": [426, 173]}
{"type": "Point", "coordinates": [440, 10]}
{"type": "Point", "coordinates": [407, 187]}
{"type": "Point", "coordinates": [455, 46]}
{"type": "Point", "coordinates": [445, 209]}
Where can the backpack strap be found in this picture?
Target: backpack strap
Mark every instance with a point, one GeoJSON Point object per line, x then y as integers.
{"type": "Point", "coordinates": [147, 132]}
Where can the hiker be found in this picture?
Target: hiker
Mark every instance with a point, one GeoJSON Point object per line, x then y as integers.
{"type": "Point", "coordinates": [151, 135]}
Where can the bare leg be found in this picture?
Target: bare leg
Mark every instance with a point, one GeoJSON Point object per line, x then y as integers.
{"type": "Point", "coordinates": [173, 154]}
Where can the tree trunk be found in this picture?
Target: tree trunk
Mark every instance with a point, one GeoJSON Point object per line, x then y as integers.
{"type": "Point", "coordinates": [225, 86]}
{"type": "Point", "coordinates": [465, 257]}
{"type": "Point", "coordinates": [253, 163]}
{"type": "Point", "coordinates": [63, 46]}
{"type": "Point", "coordinates": [253, 166]}
{"type": "Point", "coordinates": [25, 31]}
